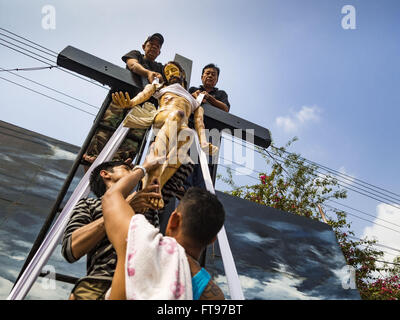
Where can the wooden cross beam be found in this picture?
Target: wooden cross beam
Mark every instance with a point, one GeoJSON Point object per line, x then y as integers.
{"type": "Point", "coordinates": [122, 79]}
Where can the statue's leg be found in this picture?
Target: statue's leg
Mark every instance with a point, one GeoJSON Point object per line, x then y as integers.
{"type": "Point", "coordinates": [178, 155]}
{"type": "Point", "coordinates": [166, 140]}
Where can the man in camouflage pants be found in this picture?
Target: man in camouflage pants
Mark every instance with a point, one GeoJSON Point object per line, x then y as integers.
{"type": "Point", "coordinates": [145, 66]}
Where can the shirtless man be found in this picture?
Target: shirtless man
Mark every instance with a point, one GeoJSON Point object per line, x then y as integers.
{"type": "Point", "coordinates": [176, 105]}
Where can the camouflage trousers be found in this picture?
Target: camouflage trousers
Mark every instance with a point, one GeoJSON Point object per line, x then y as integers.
{"type": "Point", "coordinates": [112, 118]}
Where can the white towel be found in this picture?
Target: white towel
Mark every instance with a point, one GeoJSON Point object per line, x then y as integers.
{"type": "Point", "coordinates": [156, 267]}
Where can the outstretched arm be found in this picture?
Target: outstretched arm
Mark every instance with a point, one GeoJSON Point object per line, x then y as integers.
{"type": "Point", "coordinates": [126, 102]}
{"type": "Point", "coordinates": [117, 214]}
{"type": "Point", "coordinates": [136, 67]}
{"type": "Point", "coordinates": [200, 129]}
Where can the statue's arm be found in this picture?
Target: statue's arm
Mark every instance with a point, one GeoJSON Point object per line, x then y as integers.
{"type": "Point", "coordinates": [199, 123]}
{"type": "Point", "coordinates": [200, 129]}
{"type": "Point", "coordinates": [126, 102]}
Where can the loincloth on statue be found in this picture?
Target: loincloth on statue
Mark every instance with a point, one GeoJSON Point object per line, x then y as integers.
{"type": "Point", "coordinates": [177, 89]}
{"type": "Point", "coordinates": [141, 117]}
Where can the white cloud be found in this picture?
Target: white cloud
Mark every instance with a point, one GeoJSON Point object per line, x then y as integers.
{"type": "Point", "coordinates": [298, 119]}
{"type": "Point", "coordinates": [386, 236]}
{"type": "Point", "coordinates": [282, 287]}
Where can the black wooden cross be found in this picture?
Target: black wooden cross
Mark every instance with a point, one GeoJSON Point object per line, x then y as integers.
{"type": "Point", "coordinates": [122, 79]}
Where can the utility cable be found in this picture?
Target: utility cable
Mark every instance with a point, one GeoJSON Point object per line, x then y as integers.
{"type": "Point", "coordinates": [47, 62]}
{"type": "Point", "coordinates": [28, 69]}
{"type": "Point", "coordinates": [45, 52]}
{"type": "Point", "coordinates": [28, 40]}
{"type": "Point", "coordinates": [42, 85]}
{"type": "Point", "coordinates": [70, 105]}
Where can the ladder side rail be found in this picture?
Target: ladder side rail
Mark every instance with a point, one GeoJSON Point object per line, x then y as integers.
{"type": "Point", "coordinates": [232, 276]}
{"type": "Point", "coordinates": [49, 243]}
{"type": "Point", "coordinates": [64, 189]}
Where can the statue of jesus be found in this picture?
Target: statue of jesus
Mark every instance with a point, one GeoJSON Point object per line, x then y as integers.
{"type": "Point", "coordinates": [176, 105]}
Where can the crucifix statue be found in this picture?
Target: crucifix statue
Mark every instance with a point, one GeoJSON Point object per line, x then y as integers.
{"type": "Point", "coordinates": [176, 105]}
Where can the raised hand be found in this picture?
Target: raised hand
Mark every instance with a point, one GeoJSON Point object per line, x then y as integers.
{"type": "Point", "coordinates": [121, 100]}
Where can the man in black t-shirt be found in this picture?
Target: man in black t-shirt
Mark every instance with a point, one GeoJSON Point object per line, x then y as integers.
{"type": "Point", "coordinates": [145, 66]}
{"type": "Point", "coordinates": [214, 96]}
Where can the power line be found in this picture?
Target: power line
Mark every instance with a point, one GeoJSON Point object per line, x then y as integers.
{"type": "Point", "coordinates": [332, 171]}
{"type": "Point", "coordinates": [70, 105]}
{"type": "Point", "coordinates": [377, 244]}
{"type": "Point", "coordinates": [45, 52]}
{"type": "Point", "coordinates": [368, 214]}
{"type": "Point", "coordinates": [28, 69]}
{"type": "Point", "coordinates": [349, 214]}
{"type": "Point", "coordinates": [327, 199]}
{"type": "Point", "coordinates": [337, 208]}
{"type": "Point", "coordinates": [334, 208]}
{"type": "Point", "coordinates": [47, 87]}
{"type": "Point", "coordinates": [278, 163]}
{"type": "Point", "coordinates": [394, 263]}
{"type": "Point", "coordinates": [339, 173]}
{"type": "Point", "coordinates": [22, 48]}
{"type": "Point", "coordinates": [354, 215]}
{"type": "Point", "coordinates": [340, 183]}
{"type": "Point", "coordinates": [46, 62]}
{"type": "Point", "coordinates": [386, 197]}
{"type": "Point", "coordinates": [28, 40]}
{"type": "Point", "coordinates": [331, 206]}
{"type": "Point", "coordinates": [4, 45]}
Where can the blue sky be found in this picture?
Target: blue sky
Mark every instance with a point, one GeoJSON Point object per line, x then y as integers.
{"type": "Point", "coordinates": [287, 65]}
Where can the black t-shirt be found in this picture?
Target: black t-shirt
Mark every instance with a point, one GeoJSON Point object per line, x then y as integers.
{"type": "Point", "coordinates": [220, 95]}
{"type": "Point", "coordinates": [149, 65]}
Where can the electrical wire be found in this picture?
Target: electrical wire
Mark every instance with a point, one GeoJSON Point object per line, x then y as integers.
{"type": "Point", "coordinates": [354, 215]}
{"type": "Point", "coordinates": [391, 223]}
{"type": "Point", "coordinates": [377, 244]}
{"type": "Point", "coordinates": [276, 161]}
{"type": "Point", "coordinates": [46, 62]}
{"type": "Point", "coordinates": [45, 52]}
{"type": "Point", "coordinates": [28, 69]}
{"type": "Point", "coordinates": [47, 87]}
{"type": "Point", "coordinates": [22, 48]}
{"type": "Point", "coordinates": [360, 211]}
{"type": "Point", "coordinates": [341, 173]}
{"type": "Point", "coordinates": [354, 180]}
{"type": "Point", "coordinates": [351, 183]}
{"type": "Point", "coordinates": [341, 183]}
{"type": "Point", "coordinates": [14, 34]}
{"type": "Point", "coordinates": [70, 105]}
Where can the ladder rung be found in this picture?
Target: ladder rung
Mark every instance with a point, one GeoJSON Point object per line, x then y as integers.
{"type": "Point", "coordinates": [61, 277]}
{"type": "Point", "coordinates": [112, 129]}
